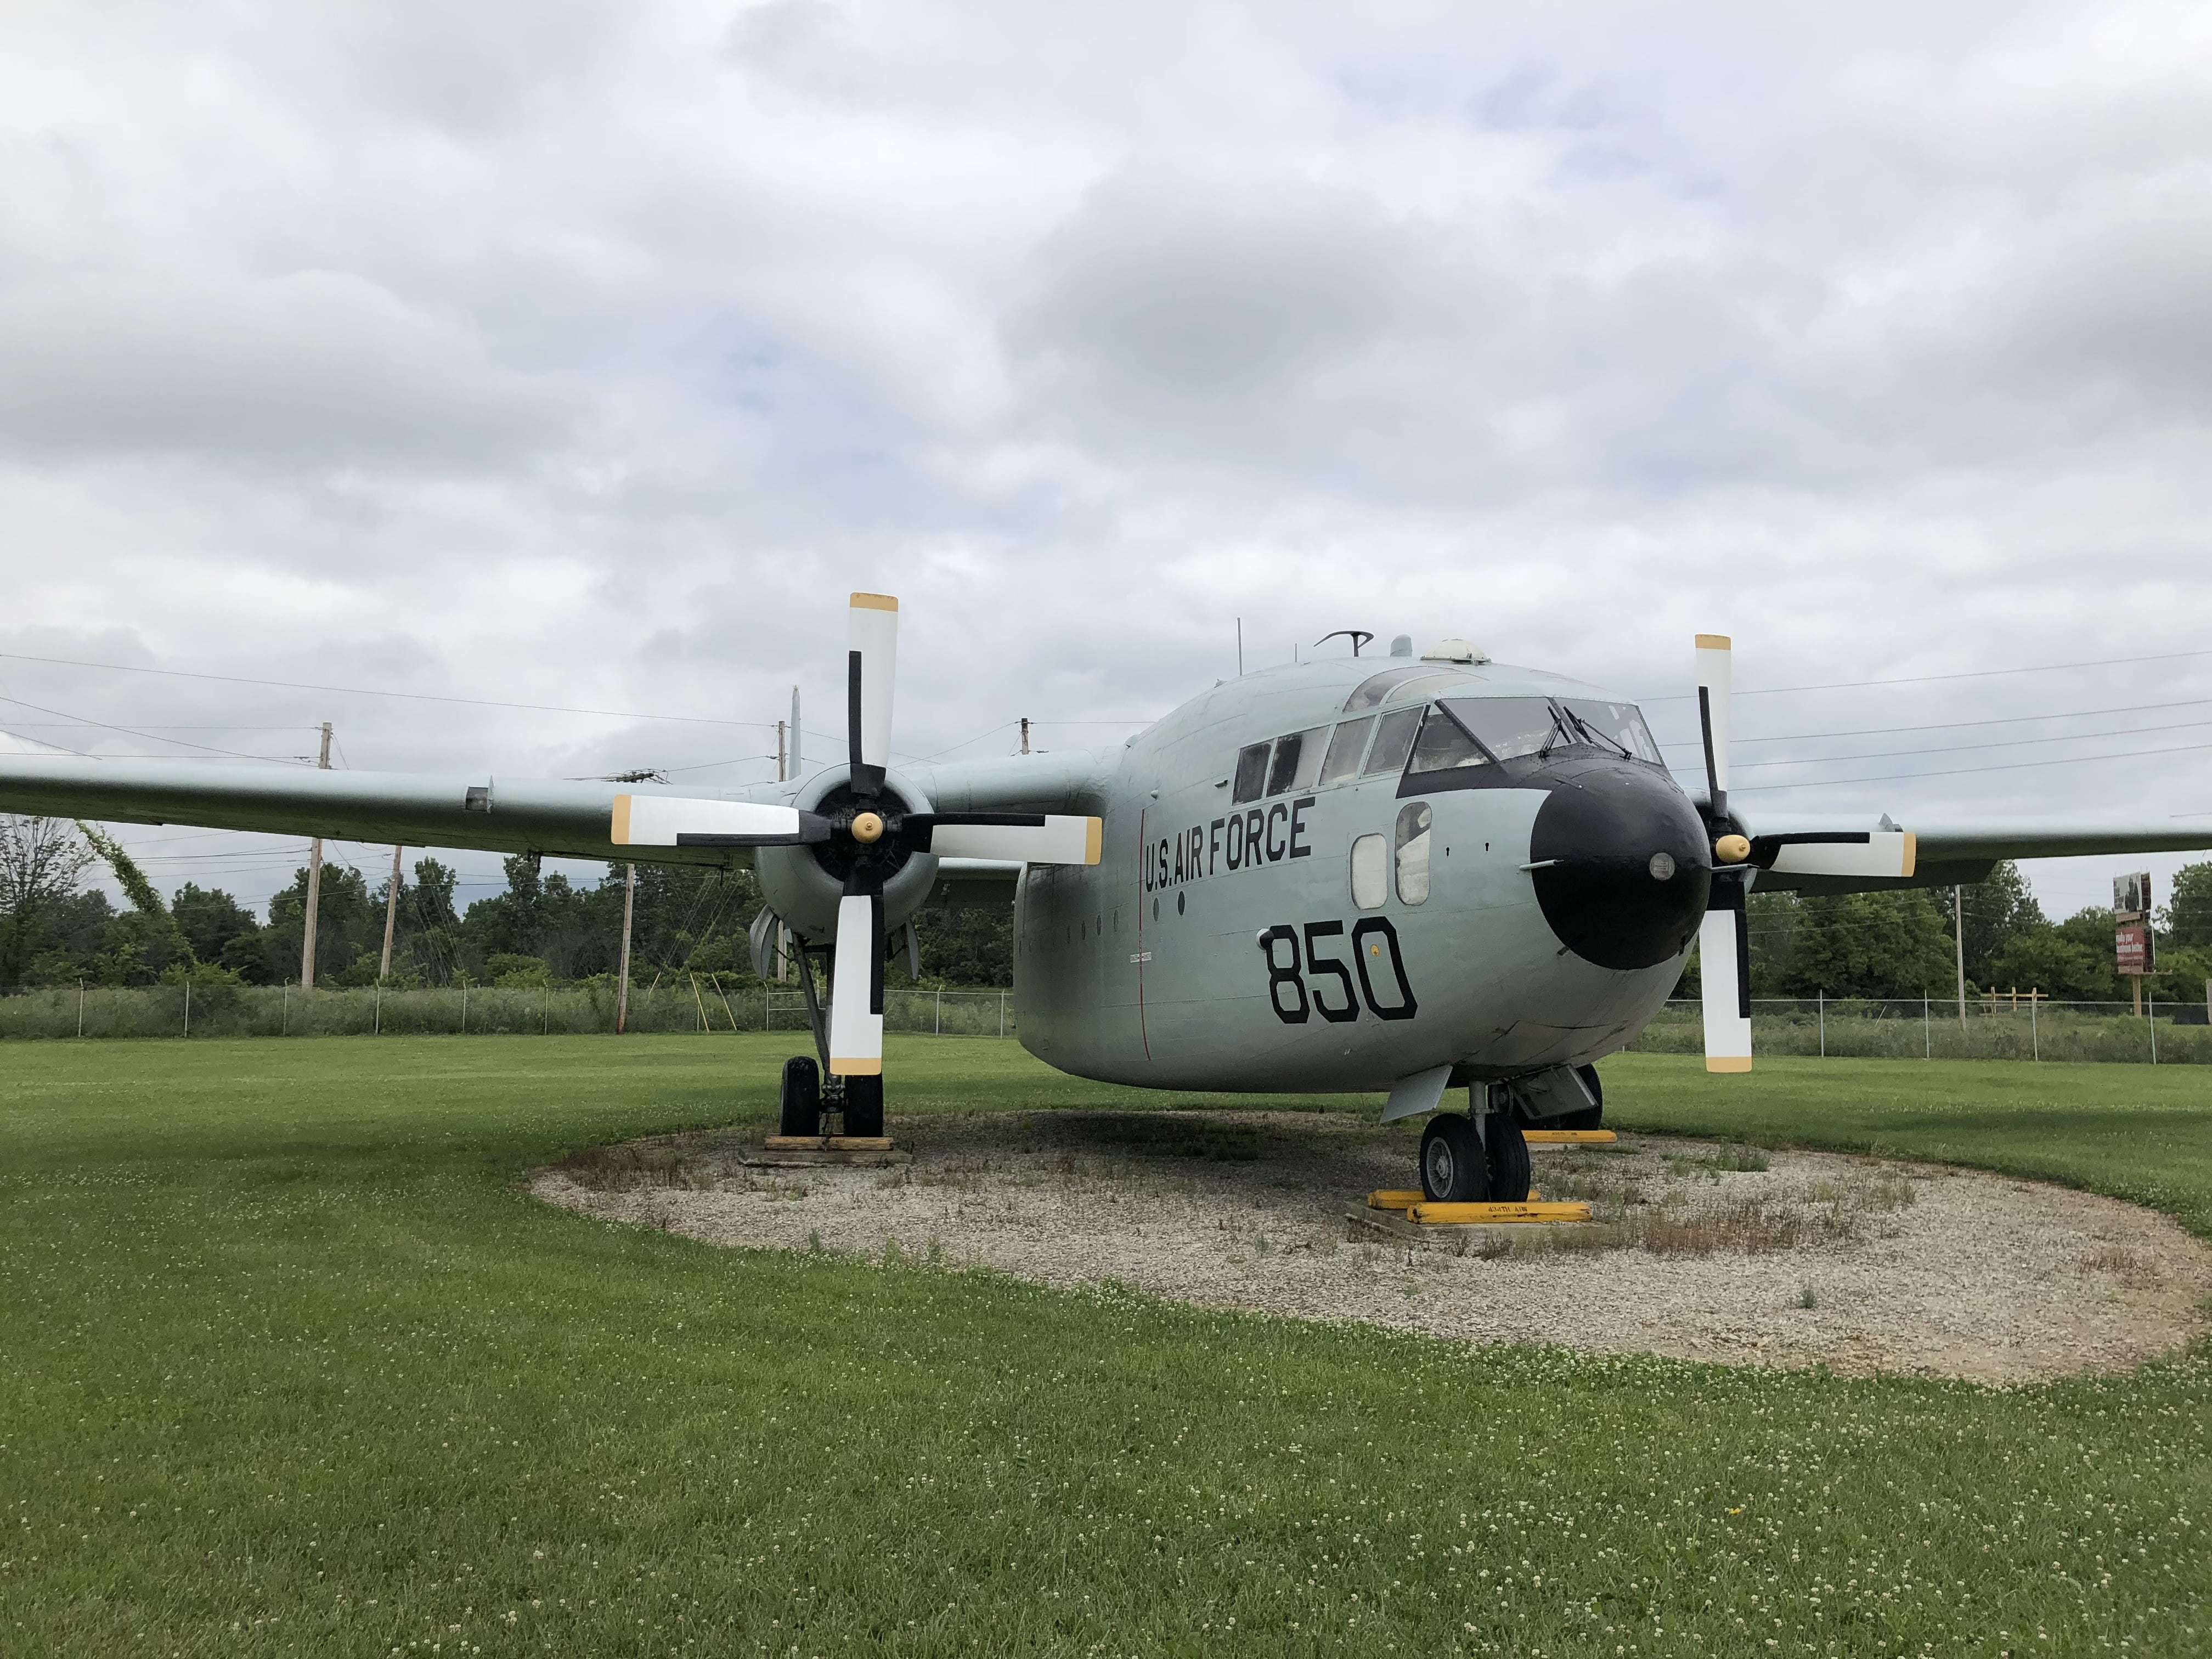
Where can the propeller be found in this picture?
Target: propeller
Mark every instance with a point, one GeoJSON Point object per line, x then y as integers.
{"type": "Point", "coordinates": [869, 834]}
{"type": "Point", "coordinates": [1723, 939]}
{"type": "Point", "coordinates": [1723, 936]}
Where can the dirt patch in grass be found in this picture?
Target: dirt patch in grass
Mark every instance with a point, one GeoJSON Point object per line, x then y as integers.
{"type": "Point", "coordinates": [1699, 1250]}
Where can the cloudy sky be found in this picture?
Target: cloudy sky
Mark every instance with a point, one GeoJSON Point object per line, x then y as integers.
{"type": "Point", "coordinates": [585, 354]}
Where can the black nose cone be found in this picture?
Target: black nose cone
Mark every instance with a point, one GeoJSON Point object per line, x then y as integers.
{"type": "Point", "coordinates": [1624, 867]}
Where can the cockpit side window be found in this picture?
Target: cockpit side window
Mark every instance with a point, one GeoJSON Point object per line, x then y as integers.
{"type": "Point", "coordinates": [1251, 773]}
{"type": "Point", "coordinates": [1297, 760]}
{"type": "Point", "coordinates": [1345, 749]}
{"type": "Point", "coordinates": [1393, 741]}
{"type": "Point", "coordinates": [1444, 745]}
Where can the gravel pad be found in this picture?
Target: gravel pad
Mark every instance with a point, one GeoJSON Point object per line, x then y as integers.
{"type": "Point", "coordinates": [1698, 1250]}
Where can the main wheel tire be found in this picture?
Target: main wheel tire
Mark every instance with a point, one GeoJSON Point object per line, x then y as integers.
{"type": "Point", "coordinates": [1507, 1161]}
{"type": "Point", "coordinates": [801, 1102]}
{"type": "Point", "coordinates": [864, 1105]}
{"type": "Point", "coordinates": [1453, 1171]}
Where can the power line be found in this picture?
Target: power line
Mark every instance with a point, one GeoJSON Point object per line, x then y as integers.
{"type": "Point", "coordinates": [129, 732]}
{"type": "Point", "coordinates": [1952, 726]}
{"type": "Point", "coordinates": [1965, 771]}
{"type": "Point", "coordinates": [1930, 679]}
{"type": "Point", "coordinates": [1962, 748]}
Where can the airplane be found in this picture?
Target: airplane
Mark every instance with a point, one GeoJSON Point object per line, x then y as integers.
{"type": "Point", "coordinates": [1402, 875]}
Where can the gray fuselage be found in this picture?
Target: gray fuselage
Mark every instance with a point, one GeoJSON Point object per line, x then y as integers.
{"type": "Point", "coordinates": [1255, 945]}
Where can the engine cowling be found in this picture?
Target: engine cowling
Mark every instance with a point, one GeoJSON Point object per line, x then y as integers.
{"type": "Point", "coordinates": [803, 884]}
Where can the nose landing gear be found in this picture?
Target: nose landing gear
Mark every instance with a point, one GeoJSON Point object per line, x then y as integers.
{"type": "Point", "coordinates": [1462, 1164]}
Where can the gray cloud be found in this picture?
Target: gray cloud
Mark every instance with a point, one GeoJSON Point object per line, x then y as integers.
{"type": "Point", "coordinates": [308, 368]}
{"type": "Point", "coordinates": [588, 354]}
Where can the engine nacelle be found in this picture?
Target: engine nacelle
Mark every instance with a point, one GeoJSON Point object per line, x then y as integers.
{"type": "Point", "coordinates": [802, 885]}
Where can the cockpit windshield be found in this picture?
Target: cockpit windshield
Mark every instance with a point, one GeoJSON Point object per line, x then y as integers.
{"type": "Point", "coordinates": [1508, 726]}
{"type": "Point", "coordinates": [1615, 726]}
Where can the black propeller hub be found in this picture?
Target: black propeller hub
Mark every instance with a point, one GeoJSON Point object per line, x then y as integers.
{"type": "Point", "coordinates": [1623, 863]}
{"type": "Point", "coordinates": [845, 852]}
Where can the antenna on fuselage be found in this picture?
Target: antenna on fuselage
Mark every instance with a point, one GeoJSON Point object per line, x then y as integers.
{"type": "Point", "coordinates": [1358, 636]}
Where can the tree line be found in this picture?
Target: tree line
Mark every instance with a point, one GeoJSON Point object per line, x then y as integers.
{"type": "Point", "coordinates": [1900, 944]}
{"type": "Point", "coordinates": [543, 929]}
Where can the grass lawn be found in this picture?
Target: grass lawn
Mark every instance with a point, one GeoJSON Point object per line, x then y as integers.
{"type": "Point", "coordinates": [287, 1365]}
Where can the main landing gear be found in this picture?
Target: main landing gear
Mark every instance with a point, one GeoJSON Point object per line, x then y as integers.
{"type": "Point", "coordinates": [857, 1100]}
{"type": "Point", "coordinates": [1466, 1161]}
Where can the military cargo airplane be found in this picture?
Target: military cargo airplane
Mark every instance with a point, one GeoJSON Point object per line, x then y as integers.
{"type": "Point", "coordinates": [1360, 875]}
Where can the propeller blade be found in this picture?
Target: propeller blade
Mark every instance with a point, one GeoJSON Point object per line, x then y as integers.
{"type": "Point", "coordinates": [1724, 968]}
{"type": "Point", "coordinates": [673, 821]}
{"type": "Point", "coordinates": [871, 666]}
{"type": "Point", "coordinates": [856, 988]}
{"type": "Point", "coordinates": [1026, 838]}
{"type": "Point", "coordinates": [1892, 853]}
{"type": "Point", "coordinates": [1716, 681]}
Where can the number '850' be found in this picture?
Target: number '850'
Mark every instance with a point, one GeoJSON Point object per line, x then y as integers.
{"type": "Point", "coordinates": [1315, 980]}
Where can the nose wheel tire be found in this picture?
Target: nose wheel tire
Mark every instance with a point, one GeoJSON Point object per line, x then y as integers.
{"type": "Point", "coordinates": [1508, 1161]}
{"type": "Point", "coordinates": [1453, 1168]}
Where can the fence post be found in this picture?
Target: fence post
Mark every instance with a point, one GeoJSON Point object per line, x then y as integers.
{"type": "Point", "coordinates": [284, 1024]}
{"type": "Point", "coordinates": [2034, 1038]}
{"type": "Point", "coordinates": [546, 1012]}
{"type": "Point", "coordinates": [188, 1020]}
{"type": "Point", "coordinates": [939, 1031]}
{"type": "Point", "coordinates": [764, 1007]}
{"type": "Point", "coordinates": [1002, 1007]}
{"type": "Point", "coordinates": [376, 1022]}
{"type": "Point", "coordinates": [2150, 1019]}
{"type": "Point", "coordinates": [464, 1007]}
{"type": "Point", "coordinates": [80, 1003]}
{"type": "Point", "coordinates": [1927, 1027]}
{"type": "Point", "coordinates": [1822, 994]}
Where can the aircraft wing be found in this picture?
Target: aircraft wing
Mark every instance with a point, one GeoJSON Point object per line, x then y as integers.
{"type": "Point", "coordinates": [559, 817]}
{"type": "Point", "coordinates": [1959, 852]}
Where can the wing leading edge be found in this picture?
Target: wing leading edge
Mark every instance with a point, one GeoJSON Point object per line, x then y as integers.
{"type": "Point", "coordinates": [1964, 851]}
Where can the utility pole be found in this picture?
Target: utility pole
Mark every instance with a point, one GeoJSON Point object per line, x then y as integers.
{"type": "Point", "coordinates": [1959, 932]}
{"type": "Point", "coordinates": [314, 889]}
{"type": "Point", "coordinates": [390, 915]}
{"type": "Point", "coordinates": [796, 745]}
{"type": "Point", "coordinates": [621, 971]}
{"type": "Point", "coordinates": [783, 754]}
{"type": "Point", "coordinates": [1025, 734]}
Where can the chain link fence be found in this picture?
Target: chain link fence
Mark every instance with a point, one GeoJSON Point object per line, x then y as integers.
{"type": "Point", "coordinates": [2002, 1027]}
{"type": "Point", "coordinates": [234, 1010]}
{"type": "Point", "coordinates": [1999, 1028]}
